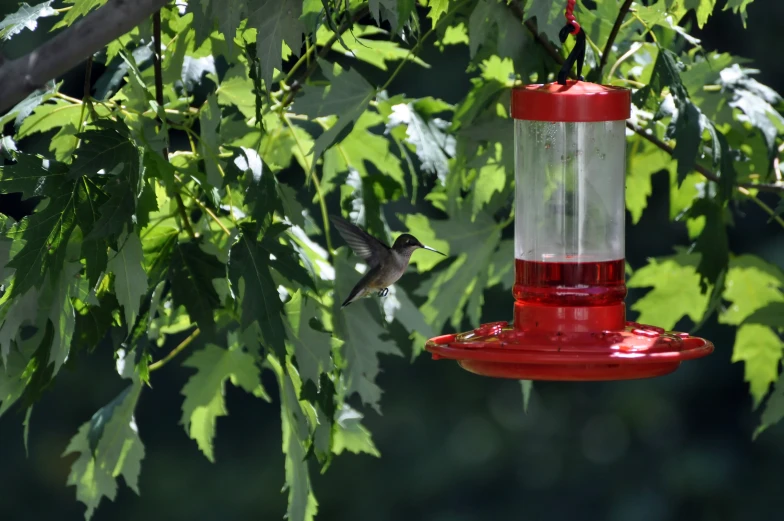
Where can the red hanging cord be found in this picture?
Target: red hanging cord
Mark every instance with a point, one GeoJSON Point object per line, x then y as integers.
{"type": "Point", "coordinates": [569, 14]}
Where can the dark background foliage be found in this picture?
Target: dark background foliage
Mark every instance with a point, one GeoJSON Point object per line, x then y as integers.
{"type": "Point", "coordinates": [454, 446]}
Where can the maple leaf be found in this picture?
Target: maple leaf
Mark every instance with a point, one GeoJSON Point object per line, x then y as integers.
{"type": "Point", "coordinates": [275, 21]}
{"type": "Point", "coordinates": [205, 390]}
{"type": "Point", "coordinates": [347, 97]}
{"type": "Point", "coordinates": [312, 348]}
{"type": "Point", "coordinates": [249, 262]}
{"type": "Point", "coordinates": [192, 271]}
{"type": "Point", "coordinates": [675, 294]}
{"type": "Point", "coordinates": [25, 18]}
{"type": "Point", "coordinates": [108, 446]}
{"type": "Point", "coordinates": [760, 349]}
{"type": "Point", "coordinates": [130, 280]}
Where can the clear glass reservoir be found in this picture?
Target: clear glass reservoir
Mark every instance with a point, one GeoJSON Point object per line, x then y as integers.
{"type": "Point", "coordinates": [570, 160]}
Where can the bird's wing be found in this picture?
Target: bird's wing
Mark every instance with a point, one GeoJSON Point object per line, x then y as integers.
{"type": "Point", "coordinates": [364, 245]}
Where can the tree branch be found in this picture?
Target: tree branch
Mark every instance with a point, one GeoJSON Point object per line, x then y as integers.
{"type": "Point", "coordinates": [24, 75]}
{"type": "Point", "coordinates": [517, 9]}
{"type": "Point", "coordinates": [708, 174]}
{"type": "Point", "coordinates": [614, 34]}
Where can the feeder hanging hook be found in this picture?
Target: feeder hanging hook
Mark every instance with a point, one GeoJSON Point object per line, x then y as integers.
{"type": "Point", "coordinates": [578, 52]}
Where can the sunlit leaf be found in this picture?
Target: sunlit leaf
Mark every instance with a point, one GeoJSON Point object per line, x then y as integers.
{"type": "Point", "coordinates": [204, 392]}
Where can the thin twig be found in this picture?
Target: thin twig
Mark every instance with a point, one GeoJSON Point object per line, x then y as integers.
{"type": "Point", "coordinates": [770, 211]}
{"type": "Point", "coordinates": [297, 84]}
{"type": "Point", "coordinates": [174, 352]}
{"type": "Point", "coordinates": [316, 182]}
{"type": "Point", "coordinates": [157, 59]}
{"type": "Point", "coordinates": [614, 34]}
{"type": "Point", "coordinates": [712, 176]}
{"type": "Point", "coordinates": [87, 73]}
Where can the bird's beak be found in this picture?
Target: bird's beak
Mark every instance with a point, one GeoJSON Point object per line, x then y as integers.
{"type": "Point", "coordinates": [431, 249]}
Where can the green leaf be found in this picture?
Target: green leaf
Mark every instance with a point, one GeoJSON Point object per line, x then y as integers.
{"type": "Point", "coordinates": [702, 8]}
{"type": "Point", "coordinates": [117, 212]}
{"type": "Point", "coordinates": [771, 315]}
{"type": "Point", "coordinates": [347, 97]}
{"type": "Point", "coordinates": [527, 387]}
{"type": "Point", "coordinates": [712, 243]}
{"type": "Point", "coordinates": [78, 9]}
{"type": "Point", "coordinates": [372, 51]}
{"type": "Point", "coordinates": [130, 280]}
{"type": "Point", "coordinates": [25, 107]}
{"type": "Point", "coordinates": [312, 348]}
{"type": "Point", "coordinates": [275, 21]}
{"type": "Point", "coordinates": [12, 376]}
{"type": "Point", "coordinates": [93, 251]}
{"type": "Point", "coordinates": [433, 145]}
{"type": "Point", "coordinates": [774, 408]}
{"type": "Point", "coordinates": [645, 160]}
{"type": "Point", "coordinates": [16, 312]}
{"type": "Point", "coordinates": [46, 235]}
{"type": "Point", "coordinates": [48, 116]}
{"type": "Point", "coordinates": [739, 7]}
{"type": "Point", "coordinates": [688, 136]}
{"type": "Point", "coordinates": [205, 390]}
{"type": "Point", "coordinates": [192, 271]}
{"type": "Point", "coordinates": [209, 122]}
{"type": "Point", "coordinates": [760, 348]}
{"type": "Point", "coordinates": [351, 435]}
{"type": "Point", "coordinates": [675, 294]}
{"type": "Point", "coordinates": [751, 285]}
{"type": "Point", "coordinates": [31, 176]}
{"type": "Point", "coordinates": [757, 102]}
{"type": "Point", "coordinates": [108, 446]}
{"type": "Point", "coordinates": [236, 89]}
{"type": "Point", "coordinates": [438, 8]}
{"type": "Point", "coordinates": [549, 17]}
{"type": "Point", "coordinates": [107, 151]}
{"type": "Point", "coordinates": [490, 180]}
{"type": "Point", "coordinates": [61, 312]}
{"type": "Point", "coordinates": [359, 325]}
{"type": "Point", "coordinates": [357, 151]}
{"type": "Point", "coordinates": [302, 503]}
{"type": "Point", "coordinates": [249, 262]}
{"type": "Point", "coordinates": [665, 74]}
{"type": "Point", "coordinates": [25, 18]}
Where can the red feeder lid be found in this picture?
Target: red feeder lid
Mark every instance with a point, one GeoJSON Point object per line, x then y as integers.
{"type": "Point", "coordinates": [637, 351]}
{"type": "Point", "coordinates": [577, 101]}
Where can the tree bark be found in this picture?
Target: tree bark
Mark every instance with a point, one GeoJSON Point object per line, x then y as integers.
{"type": "Point", "coordinates": [22, 76]}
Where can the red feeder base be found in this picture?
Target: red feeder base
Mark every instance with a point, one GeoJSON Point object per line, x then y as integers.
{"type": "Point", "coordinates": [637, 351]}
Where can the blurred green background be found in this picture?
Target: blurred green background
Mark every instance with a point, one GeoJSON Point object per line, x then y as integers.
{"type": "Point", "coordinates": [454, 446]}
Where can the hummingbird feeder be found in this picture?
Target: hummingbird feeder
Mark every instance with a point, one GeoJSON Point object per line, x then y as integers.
{"type": "Point", "coordinates": [569, 311]}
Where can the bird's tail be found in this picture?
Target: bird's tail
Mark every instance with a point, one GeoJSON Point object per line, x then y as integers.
{"type": "Point", "coordinates": [355, 294]}
{"type": "Point", "coordinates": [358, 291]}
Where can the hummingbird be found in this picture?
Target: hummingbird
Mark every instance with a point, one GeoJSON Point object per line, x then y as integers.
{"type": "Point", "coordinates": [386, 265]}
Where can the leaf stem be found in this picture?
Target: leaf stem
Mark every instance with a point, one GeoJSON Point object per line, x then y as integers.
{"type": "Point", "coordinates": [66, 97]}
{"type": "Point", "coordinates": [157, 59]}
{"type": "Point", "coordinates": [174, 352]}
{"type": "Point", "coordinates": [415, 48]}
{"type": "Point", "coordinates": [297, 84]}
{"type": "Point", "coordinates": [712, 176]}
{"type": "Point", "coordinates": [614, 34]}
{"type": "Point", "coordinates": [316, 183]}
{"type": "Point", "coordinates": [762, 205]}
